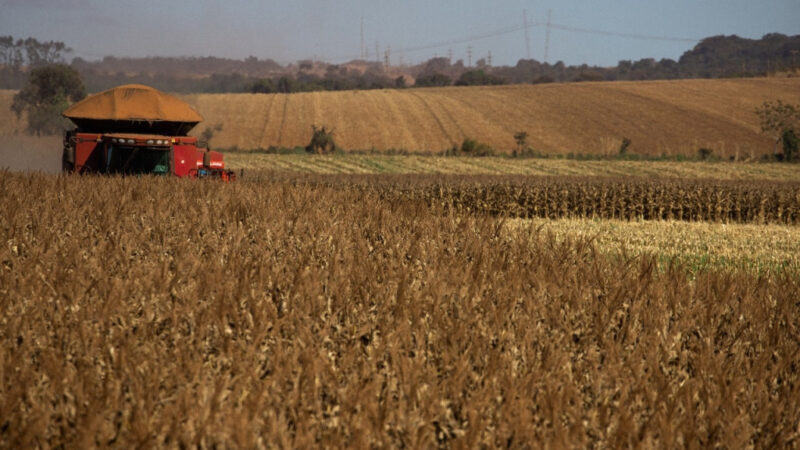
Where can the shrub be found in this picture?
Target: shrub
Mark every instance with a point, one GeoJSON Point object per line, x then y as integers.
{"type": "Point", "coordinates": [781, 121]}
{"type": "Point", "coordinates": [321, 141]}
{"type": "Point", "coordinates": [624, 146]}
{"type": "Point", "coordinates": [704, 153]}
{"type": "Point", "coordinates": [790, 145]}
{"type": "Point", "coordinates": [471, 147]}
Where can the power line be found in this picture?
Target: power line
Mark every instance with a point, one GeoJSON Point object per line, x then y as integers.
{"type": "Point", "coordinates": [547, 36]}
{"type": "Point", "coordinates": [623, 35]}
{"type": "Point", "coordinates": [527, 39]}
{"type": "Point", "coordinates": [513, 29]}
{"type": "Point", "coordinates": [362, 37]}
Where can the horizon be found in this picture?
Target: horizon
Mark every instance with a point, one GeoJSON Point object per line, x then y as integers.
{"type": "Point", "coordinates": [598, 35]}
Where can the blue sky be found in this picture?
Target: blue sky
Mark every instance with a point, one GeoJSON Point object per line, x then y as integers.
{"type": "Point", "coordinates": [330, 29]}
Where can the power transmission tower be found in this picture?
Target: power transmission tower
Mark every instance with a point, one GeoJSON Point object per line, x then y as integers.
{"type": "Point", "coordinates": [527, 38]}
{"type": "Point", "coordinates": [469, 56]}
{"type": "Point", "coordinates": [489, 58]}
{"type": "Point", "coordinates": [386, 55]}
{"type": "Point", "coordinates": [449, 56]}
{"type": "Point", "coordinates": [377, 52]}
{"type": "Point", "coordinates": [547, 37]}
{"type": "Point", "coordinates": [362, 37]}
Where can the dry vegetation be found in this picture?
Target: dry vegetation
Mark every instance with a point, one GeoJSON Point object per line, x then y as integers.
{"type": "Point", "coordinates": [297, 313]}
{"type": "Point", "coordinates": [660, 117]}
{"type": "Point", "coordinates": [415, 164]}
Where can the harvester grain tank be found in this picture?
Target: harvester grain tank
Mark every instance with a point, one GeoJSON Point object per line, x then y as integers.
{"type": "Point", "coordinates": [135, 129]}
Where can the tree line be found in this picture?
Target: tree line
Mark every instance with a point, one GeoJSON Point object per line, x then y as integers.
{"type": "Point", "coordinates": [713, 57]}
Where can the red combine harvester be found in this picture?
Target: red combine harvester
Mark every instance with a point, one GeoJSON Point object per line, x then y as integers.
{"type": "Point", "coordinates": [135, 129]}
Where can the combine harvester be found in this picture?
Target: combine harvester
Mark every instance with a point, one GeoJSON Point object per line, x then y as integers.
{"type": "Point", "coordinates": [135, 129]}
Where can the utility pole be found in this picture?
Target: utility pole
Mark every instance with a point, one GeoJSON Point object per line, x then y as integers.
{"type": "Point", "coordinates": [469, 56]}
{"type": "Point", "coordinates": [527, 38]}
{"type": "Point", "coordinates": [547, 37]}
{"type": "Point", "coordinates": [449, 56]}
{"type": "Point", "coordinates": [377, 52]}
{"type": "Point", "coordinates": [362, 38]}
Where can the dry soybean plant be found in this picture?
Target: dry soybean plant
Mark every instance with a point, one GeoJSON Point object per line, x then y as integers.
{"type": "Point", "coordinates": [284, 313]}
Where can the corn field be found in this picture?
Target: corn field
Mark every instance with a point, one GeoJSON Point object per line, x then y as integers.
{"type": "Point", "coordinates": [159, 312]}
{"type": "Point", "coordinates": [622, 198]}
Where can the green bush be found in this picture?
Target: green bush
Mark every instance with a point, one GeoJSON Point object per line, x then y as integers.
{"type": "Point", "coordinates": [472, 147]}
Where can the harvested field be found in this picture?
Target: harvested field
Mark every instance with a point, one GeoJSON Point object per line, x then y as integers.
{"type": "Point", "coordinates": [413, 164]}
{"type": "Point", "coordinates": [164, 312]}
{"type": "Point", "coordinates": [659, 117]}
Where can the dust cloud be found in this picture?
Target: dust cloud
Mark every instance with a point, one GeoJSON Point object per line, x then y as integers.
{"type": "Point", "coordinates": [30, 153]}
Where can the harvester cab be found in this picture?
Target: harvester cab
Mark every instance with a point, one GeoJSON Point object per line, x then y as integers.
{"type": "Point", "coordinates": [135, 129]}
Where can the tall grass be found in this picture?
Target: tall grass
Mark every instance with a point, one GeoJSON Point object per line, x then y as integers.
{"type": "Point", "coordinates": [165, 312]}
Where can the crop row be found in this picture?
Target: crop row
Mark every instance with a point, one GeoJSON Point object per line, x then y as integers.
{"type": "Point", "coordinates": [601, 198]}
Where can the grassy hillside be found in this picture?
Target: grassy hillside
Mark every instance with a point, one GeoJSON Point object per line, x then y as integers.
{"type": "Point", "coordinates": [659, 117]}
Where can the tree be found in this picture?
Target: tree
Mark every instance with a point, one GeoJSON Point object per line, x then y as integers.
{"type": "Point", "coordinates": [781, 122]}
{"type": "Point", "coordinates": [285, 85]}
{"type": "Point", "coordinates": [48, 91]}
{"type": "Point", "coordinates": [478, 78]}
{"type": "Point", "coordinates": [436, 79]}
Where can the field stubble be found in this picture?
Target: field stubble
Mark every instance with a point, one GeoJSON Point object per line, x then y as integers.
{"type": "Point", "coordinates": [659, 117]}
{"type": "Point", "coordinates": [160, 312]}
{"type": "Point", "coordinates": [416, 164]}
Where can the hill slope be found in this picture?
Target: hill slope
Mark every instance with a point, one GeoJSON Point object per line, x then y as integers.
{"type": "Point", "coordinates": [658, 117]}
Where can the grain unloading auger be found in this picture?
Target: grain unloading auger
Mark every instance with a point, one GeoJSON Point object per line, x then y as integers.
{"type": "Point", "coordinates": [135, 129]}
